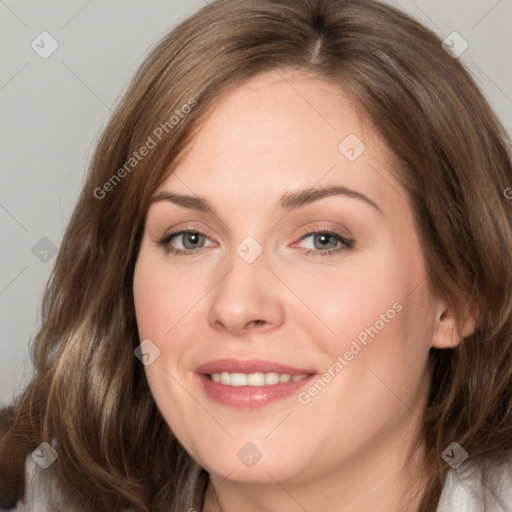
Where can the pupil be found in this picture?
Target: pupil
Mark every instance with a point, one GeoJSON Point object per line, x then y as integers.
{"type": "Point", "coordinates": [192, 238]}
{"type": "Point", "coordinates": [324, 240]}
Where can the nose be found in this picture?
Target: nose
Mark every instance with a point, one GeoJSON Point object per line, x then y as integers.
{"type": "Point", "coordinates": [246, 299]}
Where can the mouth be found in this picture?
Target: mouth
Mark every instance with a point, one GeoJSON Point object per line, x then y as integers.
{"type": "Point", "coordinates": [250, 384]}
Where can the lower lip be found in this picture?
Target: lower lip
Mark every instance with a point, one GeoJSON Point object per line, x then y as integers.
{"type": "Point", "coordinates": [250, 397]}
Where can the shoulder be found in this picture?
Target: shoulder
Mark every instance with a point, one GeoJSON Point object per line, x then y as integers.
{"type": "Point", "coordinates": [468, 489]}
{"type": "Point", "coordinates": [41, 494]}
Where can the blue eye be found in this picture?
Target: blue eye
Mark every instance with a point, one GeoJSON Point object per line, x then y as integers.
{"type": "Point", "coordinates": [325, 242]}
{"type": "Point", "coordinates": [190, 238]}
{"type": "Point", "coordinates": [330, 240]}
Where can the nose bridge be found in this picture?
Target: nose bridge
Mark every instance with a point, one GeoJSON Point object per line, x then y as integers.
{"type": "Point", "coordinates": [246, 294]}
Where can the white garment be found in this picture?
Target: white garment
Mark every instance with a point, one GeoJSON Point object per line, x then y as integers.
{"type": "Point", "coordinates": [37, 497]}
{"type": "Point", "coordinates": [462, 491]}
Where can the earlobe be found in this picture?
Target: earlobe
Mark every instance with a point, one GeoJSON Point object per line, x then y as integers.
{"type": "Point", "coordinates": [446, 334]}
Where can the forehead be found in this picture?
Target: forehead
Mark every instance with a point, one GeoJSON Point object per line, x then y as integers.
{"type": "Point", "coordinates": [278, 131]}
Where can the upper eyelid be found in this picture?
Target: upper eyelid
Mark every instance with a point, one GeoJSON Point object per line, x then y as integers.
{"type": "Point", "coordinates": [303, 230]}
{"type": "Point", "coordinates": [183, 231]}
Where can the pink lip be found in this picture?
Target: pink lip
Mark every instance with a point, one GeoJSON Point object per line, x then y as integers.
{"type": "Point", "coordinates": [249, 397]}
{"type": "Point", "coordinates": [249, 366]}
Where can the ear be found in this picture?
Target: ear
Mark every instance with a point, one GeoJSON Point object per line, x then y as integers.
{"type": "Point", "coordinates": [446, 334]}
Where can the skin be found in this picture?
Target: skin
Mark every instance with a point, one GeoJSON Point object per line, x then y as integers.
{"type": "Point", "coordinates": [345, 450]}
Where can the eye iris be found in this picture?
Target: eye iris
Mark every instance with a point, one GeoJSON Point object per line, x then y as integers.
{"type": "Point", "coordinates": [196, 237]}
{"type": "Point", "coordinates": [324, 238]}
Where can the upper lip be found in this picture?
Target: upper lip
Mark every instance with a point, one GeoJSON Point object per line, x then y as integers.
{"type": "Point", "coordinates": [249, 366]}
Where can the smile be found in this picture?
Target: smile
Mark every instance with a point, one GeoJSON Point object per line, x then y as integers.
{"type": "Point", "coordinates": [254, 379]}
{"type": "Point", "coordinates": [250, 383]}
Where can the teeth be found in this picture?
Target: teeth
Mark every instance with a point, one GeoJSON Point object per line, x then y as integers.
{"type": "Point", "coordinates": [254, 379]}
{"type": "Point", "coordinates": [271, 378]}
{"type": "Point", "coordinates": [238, 379]}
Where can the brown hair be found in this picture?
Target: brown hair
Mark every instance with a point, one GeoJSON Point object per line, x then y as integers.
{"type": "Point", "coordinates": [90, 393]}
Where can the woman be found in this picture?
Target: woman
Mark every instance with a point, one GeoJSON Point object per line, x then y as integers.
{"type": "Point", "coordinates": [341, 337]}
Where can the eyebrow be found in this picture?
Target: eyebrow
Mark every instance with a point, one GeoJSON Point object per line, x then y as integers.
{"type": "Point", "coordinates": [288, 201]}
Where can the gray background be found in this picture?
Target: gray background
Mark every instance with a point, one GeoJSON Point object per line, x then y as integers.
{"type": "Point", "coordinates": [53, 110]}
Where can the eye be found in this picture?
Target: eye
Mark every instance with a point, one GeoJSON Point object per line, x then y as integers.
{"type": "Point", "coordinates": [191, 240]}
{"type": "Point", "coordinates": [326, 242]}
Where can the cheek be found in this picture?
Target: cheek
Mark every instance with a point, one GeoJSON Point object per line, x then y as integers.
{"type": "Point", "coordinates": [162, 297]}
{"type": "Point", "coordinates": [350, 299]}
{"type": "Point", "coordinates": [375, 313]}
{"type": "Point", "coordinates": [150, 308]}
{"type": "Point", "coordinates": [161, 302]}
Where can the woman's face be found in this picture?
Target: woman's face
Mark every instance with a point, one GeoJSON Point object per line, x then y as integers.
{"type": "Point", "coordinates": [294, 325]}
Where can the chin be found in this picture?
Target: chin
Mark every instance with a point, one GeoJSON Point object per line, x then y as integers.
{"type": "Point", "coordinates": [247, 465]}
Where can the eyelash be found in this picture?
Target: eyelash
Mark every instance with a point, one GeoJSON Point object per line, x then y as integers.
{"type": "Point", "coordinates": [346, 244]}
